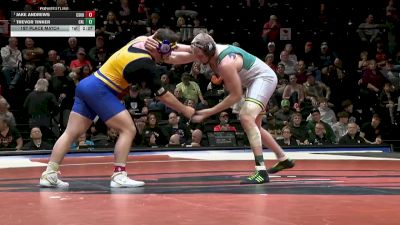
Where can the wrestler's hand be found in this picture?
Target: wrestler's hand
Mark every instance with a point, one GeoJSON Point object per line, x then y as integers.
{"type": "Point", "coordinates": [150, 44]}
{"type": "Point", "coordinates": [200, 115]}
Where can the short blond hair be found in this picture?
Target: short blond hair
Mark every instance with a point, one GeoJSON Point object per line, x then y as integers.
{"type": "Point", "coordinates": [60, 65]}
{"type": "Point", "coordinates": [41, 85]}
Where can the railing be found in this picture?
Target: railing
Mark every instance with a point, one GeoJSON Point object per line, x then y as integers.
{"type": "Point", "coordinates": [309, 148]}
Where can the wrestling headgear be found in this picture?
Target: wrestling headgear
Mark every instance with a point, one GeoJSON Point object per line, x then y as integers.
{"type": "Point", "coordinates": [208, 49]}
{"type": "Point", "coordinates": [165, 47]}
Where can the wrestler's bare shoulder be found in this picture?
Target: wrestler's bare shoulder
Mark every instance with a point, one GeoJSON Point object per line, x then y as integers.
{"type": "Point", "coordinates": [230, 59]}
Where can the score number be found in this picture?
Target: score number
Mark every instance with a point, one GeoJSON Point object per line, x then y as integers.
{"type": "Point", "coordinates": [90, 14]}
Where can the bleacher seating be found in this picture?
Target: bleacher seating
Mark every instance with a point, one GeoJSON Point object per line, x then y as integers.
{"type": "Point", "coordinates": [233, 21]}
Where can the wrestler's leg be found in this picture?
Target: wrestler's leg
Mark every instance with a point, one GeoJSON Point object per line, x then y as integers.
{"type": "Point", "coordinates": [109, 108]}
{"type": "Point", "coordinates": [262, 90]}
{"type": "Point", "coordinates": [123, 123]}
{"type": "Point", "coordinates": [248, 114]}
{"type": "Point", "coordinates": [77, 125]}
{"type": "Point", "coordinates": [269, 141]}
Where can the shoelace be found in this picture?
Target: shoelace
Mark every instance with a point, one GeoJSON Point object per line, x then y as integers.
{"type": "Point", "coordinates": [52, 180]}
{"type": "Point", "coordinates": [124, 178]}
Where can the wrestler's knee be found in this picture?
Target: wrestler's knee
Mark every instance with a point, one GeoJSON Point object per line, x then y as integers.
{"type": "Point", "coordinates": [128, 130]}
{"type": "Point", "coordinates": [249, 112]}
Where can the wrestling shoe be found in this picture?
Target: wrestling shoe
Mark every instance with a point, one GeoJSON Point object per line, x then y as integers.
{"type": "Point", "coordinates": [259, 177]}
{"type": "Point", "coordinates": [50, 179]}
{"type": "Point", "coordinates": [121, 180]}
{"type": "Point", "coordinates": [286, 164]}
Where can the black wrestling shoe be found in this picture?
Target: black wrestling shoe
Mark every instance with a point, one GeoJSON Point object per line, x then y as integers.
{"type": "Point", "coordinates": [286, 164]}
{"type": "Point", "coordinates": [259, 177]}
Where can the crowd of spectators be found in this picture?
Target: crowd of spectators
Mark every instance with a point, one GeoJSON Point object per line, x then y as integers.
{"type": "Point", "coordinates": [338, 67]}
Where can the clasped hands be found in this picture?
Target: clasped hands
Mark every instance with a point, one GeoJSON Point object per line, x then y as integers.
{"type": "Point", "coordinates": [199, 116]}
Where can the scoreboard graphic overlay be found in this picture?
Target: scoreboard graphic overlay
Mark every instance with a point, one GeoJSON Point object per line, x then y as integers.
{"type": "Point", "coordinates": [53, 24]}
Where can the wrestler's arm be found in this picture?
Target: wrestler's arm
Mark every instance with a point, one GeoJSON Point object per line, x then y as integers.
{"type": "Point", "coordinates": [182, 54]}
{"type": "Point", "coordinates": [171, 101]}
{"type": "Point", "coordinates": [228, 71]}
{"type": "Point", "coordinates": [179, 58]}
{"type": "Point", "coordinates": [148, 69]}
{"type": "Point", "coordinates": [183, 48]}
{"type": "Point", "coordinates": [150, 43]}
